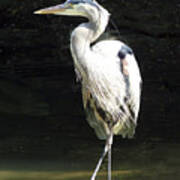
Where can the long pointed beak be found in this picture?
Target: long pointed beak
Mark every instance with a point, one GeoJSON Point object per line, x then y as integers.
{"type": "Point", "coordinates": [52, 10]}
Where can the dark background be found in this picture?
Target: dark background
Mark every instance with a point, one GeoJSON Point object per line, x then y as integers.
{"type": "Point", "coordinates": [40, 101]}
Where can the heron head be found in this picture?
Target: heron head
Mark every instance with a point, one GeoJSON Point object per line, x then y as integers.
{"type": "Point", "coordinates": [71, 8]}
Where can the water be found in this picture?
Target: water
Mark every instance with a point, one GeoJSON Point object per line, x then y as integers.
{"type": "Point", "coordinates": [138, 162]}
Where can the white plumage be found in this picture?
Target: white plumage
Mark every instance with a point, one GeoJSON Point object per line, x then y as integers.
{"type": "Point", "coordinates": [107, 85]}
{"type": "Point", "coordinates": [108, 72]}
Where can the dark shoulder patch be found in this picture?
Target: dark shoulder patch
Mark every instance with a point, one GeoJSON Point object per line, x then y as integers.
{"type": "Point", "coordinates": [124, 51]}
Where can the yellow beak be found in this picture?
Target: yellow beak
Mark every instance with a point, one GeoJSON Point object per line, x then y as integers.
{"type": "Point", "coordinates": [58, 9]}
{"type": "Point", "coordinates": [66, 9]}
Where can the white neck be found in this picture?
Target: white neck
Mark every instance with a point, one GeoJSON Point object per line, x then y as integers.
{"type": "Point", "coordinates": [86, 33]}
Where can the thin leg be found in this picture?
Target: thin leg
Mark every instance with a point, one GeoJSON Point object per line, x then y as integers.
{"type": "Point", "coordinates": [99, 162]}
{"type": "Point", "coordinates": [109, 156]}
{"type": "Point", "coordinates": [106, 149]}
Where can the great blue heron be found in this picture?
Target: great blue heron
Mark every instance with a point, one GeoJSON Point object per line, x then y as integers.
{"type": "Point", "coordinates": [108, 72]}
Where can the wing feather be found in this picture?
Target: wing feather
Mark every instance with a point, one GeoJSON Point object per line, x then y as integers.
{"type": "Point", "coordinates": [111, 95]}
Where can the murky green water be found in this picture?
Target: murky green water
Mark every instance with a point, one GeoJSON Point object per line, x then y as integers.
{"type": "Point", "coordinates": [141, 162]}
